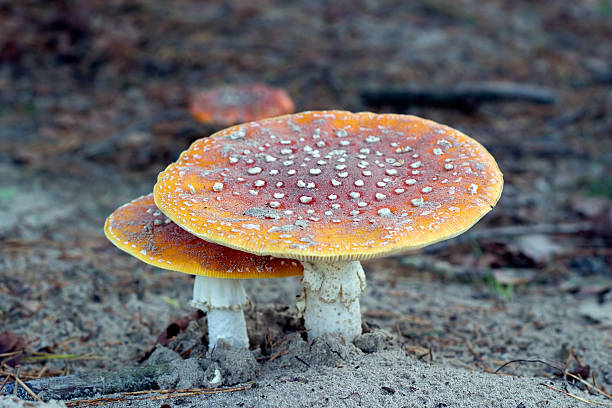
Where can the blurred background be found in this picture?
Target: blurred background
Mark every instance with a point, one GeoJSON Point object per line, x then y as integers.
{"type": "Point", "coordinates": [94, 99]}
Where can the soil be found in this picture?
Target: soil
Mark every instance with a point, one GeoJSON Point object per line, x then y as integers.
{"type": "Point", "coordinates": [93, 99]}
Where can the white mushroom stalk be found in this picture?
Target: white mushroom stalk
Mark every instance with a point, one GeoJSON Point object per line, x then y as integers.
{"type": "Point", "coordinates": [330, 298]}
{"type": "Point", "coordinates": [330, 185]}
{"type": "Point", "coordinates": [142, 230]}
{"type": "Point", "coordinates": [224, 301]}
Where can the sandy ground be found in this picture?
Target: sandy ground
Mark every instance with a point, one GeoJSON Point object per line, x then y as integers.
{"type": "Point", "coordinates": [93, 99]}
{"type": "Point", "coordinates": [115, 310]}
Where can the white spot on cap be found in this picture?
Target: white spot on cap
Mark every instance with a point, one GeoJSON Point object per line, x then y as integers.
{"type": "Point", "coordinates": [448, 166]}
{"type": "Point", "coordinates": [381, 184]}
{"type": "Point", "coordinates": [372, 139]}
{"type": "Point", "coordinates": [384, 212]}
{"type": "Point", "coordinates": [411, 182]}
{"type": "Point", "coordinates": [341, 133]}
{"type": "Point", "coordinates": [193, 191]}
{"type": "Point", "coordinates": [366, 173]}
{"type": "Point", "coordinates": [254, 170]}
{"type": "Point", "coordinates": [391, 172]}
{"type": "Point", "coordinates": [233, 159]}
{"type": "Point", "coordinates": [354, 194]}
{"type": "Point", "coordinates": [314, 172]}
{"type": "Point", "coordinates": [305, 199]}
{"type": "Point", "coordinates": [239, 134]}
{"type": "Point", "coordinates": [332, 197]}
{"type": "Point", "coordinates": [274, 204]}
{"type": "Point", "coordinates": [340, 166]}
{"type": "Point", "coordinates": [335, 183]}
{"type": "Point", "coordinates": [359, 183]}
{"type": "Point", "coordinates": [273, 172]}
{"type": "Point", "coordinates": [344, 174]}
{"type": "Point", "coordinates": [445, 143]}
{"type": "Point", "coordinates": [473, 188]}
{"type": "Point", "coordinates": [417, 202]}
{"type": "Point", "coordinates": [437, 151]}
{"type": "Point", "coordinates": [416, 164]}
{"type": "Point", "coordinates": [259, 183]}
{"type": "Point", "coordinates": [301, 183]}
{"type": "Point", "coordinates": [426, 189]}
{"type": "Point", "coordinates": [291, 172]}
{"type": "Point", "coordinates": [399, 190]}
{"type": "Point", "coordinates": [380, 196]}
{"type": "Point", "coordinates": [251, 226]}
{"type": "Point", "coordinates": [403, 149]}
{"type": "Point", "coordinates": [362, 204]}
{"type": "Point", "coordinates": [269, 158]}
{"type": "Point", "coordinates": [279, 184]}
{"type": "Point", "coordinates": [216, 187]}
{"type": "Point", "coordinates": [279, 195]}
{"type": "Point", "coordinates": [354, 212]}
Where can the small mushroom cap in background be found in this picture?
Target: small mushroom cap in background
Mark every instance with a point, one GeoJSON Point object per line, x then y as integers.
{"type": "Point", "coordinates": [141, 230]}
{"type": "Point", "coordinates": [231, 104]}
{"type": "Point", "coordinates": [330, 185]}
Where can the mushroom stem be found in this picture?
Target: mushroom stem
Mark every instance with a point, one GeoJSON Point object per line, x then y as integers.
{"type": "Point", "coordinates": [330, 298]}
{"type": "Point", "coordinates": [224, 301]}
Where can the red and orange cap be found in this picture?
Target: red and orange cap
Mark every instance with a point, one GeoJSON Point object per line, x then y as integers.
{"type": "Point", "coordinates": [330, 185]}
{"type": "Point", "coordinates": [231, 104]}
{"type": "Point", "coordinates": [141, 230]}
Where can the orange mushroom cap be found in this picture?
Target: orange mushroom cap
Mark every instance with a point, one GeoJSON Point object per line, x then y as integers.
{"type": "Point", "coordinates": [231, 104]}
{"type": "Point", "coordinates": [141, 230]}
{"type": "Point", "coordinates": [330, 185]}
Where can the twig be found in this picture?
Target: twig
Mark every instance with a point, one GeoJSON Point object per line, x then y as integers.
{"type": "Point", "coordinates": [165, 394]}
{"type": "Point", "coordinates": [479, 358]}
{"type": "Point", "coordinates": [4, 382]}
{"type": "Point", "coordinates": [302, 361]}
{"type": "Point", "coordinates": [83, 385]}
{"type": "Point", "coordinates": [25, 387]}
{"type": "Point", "coordinates": [350, 395]}
{"type": "Point", "coordinates": [444, 268]}
{"type": "Point", "coordinates": [513, 231]}
{"type": "Point", "coordinates": [561, 371]}
{"type": "Point", "coordinates": [588, 401]}
{"type": "Point", "coordinates": [463, 96]}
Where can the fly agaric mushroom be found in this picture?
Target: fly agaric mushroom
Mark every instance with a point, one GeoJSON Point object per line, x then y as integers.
{"type": "Point", "coordinates": [141, 230]}
{"type": "Point", "coordinates": [331, 188]}
{"type": "Point", "coordinates": [231, 104]}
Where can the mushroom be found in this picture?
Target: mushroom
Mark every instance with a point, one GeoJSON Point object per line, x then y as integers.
{"type": "Point", "coordinates": [142, 231]}
{"type": "Point", "coordinates": [331, 188]}
{"type": "Point", "coordinates": [231, 104]}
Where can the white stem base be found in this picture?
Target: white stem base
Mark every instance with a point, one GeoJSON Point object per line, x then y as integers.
{"type": "Point", "coordinates": [228, 325]}
{"type": "Point", "coordinates": [224, 301]}
{"type": "Point", "coordinates": [330, 298]}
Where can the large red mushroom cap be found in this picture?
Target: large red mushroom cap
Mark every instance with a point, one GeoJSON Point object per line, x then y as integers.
{"type": "Point", "coordinates": [330, 185]}
{"type": "Point", "coordinates": [231, 104]}
{"type": "Point", "coordinates": [141, 230]}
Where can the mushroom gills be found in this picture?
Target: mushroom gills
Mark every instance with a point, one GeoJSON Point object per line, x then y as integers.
{"type": "Point", "coordinates": [224, 301]}
{"type": "Point", "coordinates": [330, 298]}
